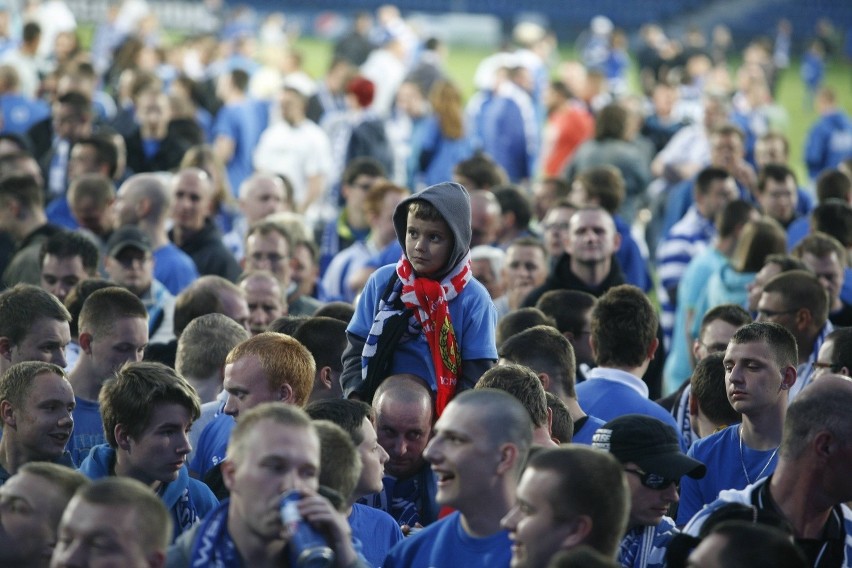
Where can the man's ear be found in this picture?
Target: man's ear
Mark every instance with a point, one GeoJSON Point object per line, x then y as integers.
{"type": "Point", "coordinates": [228, 470]}
{"type": "Point", "coordinates": [693, 406]}
{"type": "Point", "coordinates": [545, 381]}
{"type": "Point", "coordinates": [286, 394]}
{"type": "Point", "coordinates": [122, 437]}
{"type": "Point", "coordinates": [157, 559]}
{"type": "Point", "coordinates": [616, 241]}
{"type": "Point", "coordinates": [6, 348]}
{"type": "Point", "coordinates": [7, 414]}
{"type": "Point", "coordinates": [325, 377]}
{"type": "Point", "coordinates": [14, 207]}
{"type": "Point", "coordinates": [696, 345]}
{"type": "Point", "coordinates": [85, 341]}
{"type": "Point", "coordinates": [652, 349]}
{"type": "Point", "coordinates": [508, 457]}
{"type": "Point", "coordinates": [579, 530]}
{"type": "Point", "coordinates": [789, 378]}
{"type": "Point", "coordinates": [804, 318]}
{"type": "Point", "coordinates": [824, 445]}
{"type": "Point", "coordinates": [143, 207]}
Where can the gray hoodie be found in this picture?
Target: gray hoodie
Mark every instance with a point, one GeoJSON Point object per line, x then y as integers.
{"type": "Point", "coordinates": [453, 203]}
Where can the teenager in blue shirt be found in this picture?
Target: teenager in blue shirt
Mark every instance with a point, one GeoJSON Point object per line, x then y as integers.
{"type": "Point", "coordinates": [760, 367]}
{"type": "Point", "coordinates": [148, 410]}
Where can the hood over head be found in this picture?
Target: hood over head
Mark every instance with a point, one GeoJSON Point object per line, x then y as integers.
{"type": "Point", "coordinates": [453, 203]}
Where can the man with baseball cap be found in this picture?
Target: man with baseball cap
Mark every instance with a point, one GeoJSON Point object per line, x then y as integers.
{"type": "Point", "coordinates": [650, 452]}
{"type": "Point", "coordinates": [129, 264]}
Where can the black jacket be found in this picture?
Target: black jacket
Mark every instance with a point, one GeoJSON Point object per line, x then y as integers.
{"type": "Point", "coordinates": [209, 254]}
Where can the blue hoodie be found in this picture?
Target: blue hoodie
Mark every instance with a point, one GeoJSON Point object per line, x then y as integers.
{"type": "Point", "coordinates": [189, 500]}
{"type": "Point", "coordinates": [829, 143]}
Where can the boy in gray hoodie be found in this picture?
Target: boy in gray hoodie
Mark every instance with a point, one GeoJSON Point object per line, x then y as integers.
{"type": "Point", "coordinates": [426, 315]}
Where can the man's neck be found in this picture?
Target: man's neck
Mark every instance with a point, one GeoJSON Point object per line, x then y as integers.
{"type": "Point", "coordinates": [726, 245]}
{"type": "Point", "coordinates": [122, 469]}
{"type": "Point", "coordinates": [83, 381]}
{"type": "Point", "coordinates": [591, 274]}
{"type": "Point", "coordinates": [152, 132]}
{"type": "Point", "coordinates": [295, 121]}
{"type": "Point", "coordinates": [235, 97]}
{"type": "Point", "coordinates": [254, 551]}
{"type": "Point", "coordinates": [355, 219]}
{"type": "Point", "coordinates": [762, 431]}
{"type": "Point", "coordinates": [30, 224]}
{"type": "Point", "coordinates": [11, 458]}
{"type": "Point", "coordinates": [541, 437]}
{"type": "Point", "coordinates": [794, 488]}
{"type": "Point", "coordinates": [156, 233]}
{"type": "Point", "coordinates": [182, 235]}
{"type": "Point", "coordinates": [574, 410]}
{"type": "Point", "coordinates": [208, 388]}
{"type": "Point", "coordinates": [806, 346]}
{"type": "Point", "coordinates": [485, 520]}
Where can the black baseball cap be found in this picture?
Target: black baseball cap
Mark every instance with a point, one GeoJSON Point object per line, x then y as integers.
{"type": "Point", "coordinates": [127, 236]}
{"type": "Point", "coordinates": [648, 442]}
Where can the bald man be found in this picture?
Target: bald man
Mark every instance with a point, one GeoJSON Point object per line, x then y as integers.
{"type": "Point", "coordinates": [404, 416]}
{"type": "Point", "coordinates": [194, 230]}
{"type": "Point", "coordinates": [144, 200]}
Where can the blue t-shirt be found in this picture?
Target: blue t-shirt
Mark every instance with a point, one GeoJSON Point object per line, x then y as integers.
{"type": "Point", "coordinates": [173, 268]}
{"type": "Point", "coordinates": [20, 113]}
{"type": "Point", "coordinates": [241, 123]}
{"type": "Point", "coordinates": [376, 531]}
{"type": "Point", "coordinates": [59, 213]}
{"type": "Point", "coordinates": [472, 313]}
{"type": "Point", "coordinates": [88, 429]}
{"type": "Point", "coordinates": [721, 453]}
{"type": "Point", "coordinates": [587, 431]}
{"type": "Point", "coordinates": [606, 399]}
{"type": "Point", "coordinates": [446, 543]}
{"type": "Point", "coordinates": [212, 445]}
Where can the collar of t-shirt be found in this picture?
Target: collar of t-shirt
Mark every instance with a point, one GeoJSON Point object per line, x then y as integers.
{"type": "Point", "coordinates": [619, 376]}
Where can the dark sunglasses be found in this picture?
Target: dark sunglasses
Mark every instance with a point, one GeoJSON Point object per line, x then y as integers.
{"type": "Point", "coordinates": [652, 480]}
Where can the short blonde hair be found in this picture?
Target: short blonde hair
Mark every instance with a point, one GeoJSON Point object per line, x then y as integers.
{"type": "Point", "coordinates": [277, 412]}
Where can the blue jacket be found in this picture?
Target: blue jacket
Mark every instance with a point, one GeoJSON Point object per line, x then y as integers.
{"type": "Point", "coordinates": [189, 500]}
{"type": "Point", "coordinates": [829, 143]}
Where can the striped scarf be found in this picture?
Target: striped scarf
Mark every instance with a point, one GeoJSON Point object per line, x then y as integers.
{"type": "Point", "coordinates": [429, 300]}
{"type": "Point", "coordinates": [213, 547]}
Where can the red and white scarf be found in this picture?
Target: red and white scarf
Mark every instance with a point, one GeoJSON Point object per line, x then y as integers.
{"type": "Point", "coordinates": [429, 299]}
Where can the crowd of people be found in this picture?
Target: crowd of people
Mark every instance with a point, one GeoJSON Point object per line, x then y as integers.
{"type": "Point", "coordinates": [556, 324]}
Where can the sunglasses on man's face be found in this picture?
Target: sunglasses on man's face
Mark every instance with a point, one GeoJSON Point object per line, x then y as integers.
{"type": "Point", "coordinates": [652, 480]}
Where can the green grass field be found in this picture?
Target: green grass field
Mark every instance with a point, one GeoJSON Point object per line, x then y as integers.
{"type": "Point", "coordinates": [462, 63]}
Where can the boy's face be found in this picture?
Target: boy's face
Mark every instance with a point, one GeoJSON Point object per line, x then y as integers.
{"type": "Point", "coordinates": [159, 452]}
{"type": "Point", "coordinates": [427, 245]}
